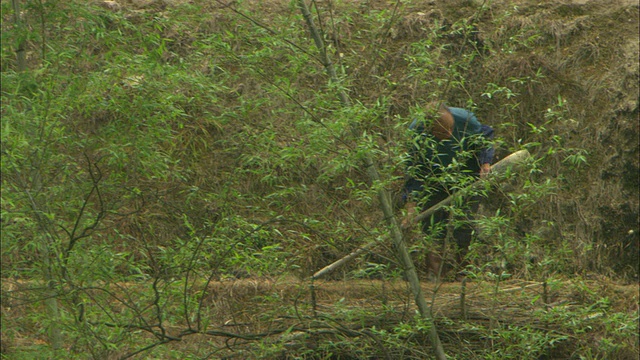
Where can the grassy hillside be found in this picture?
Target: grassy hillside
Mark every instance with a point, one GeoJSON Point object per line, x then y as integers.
{"type": "Point", "coordinates": [151, 149]}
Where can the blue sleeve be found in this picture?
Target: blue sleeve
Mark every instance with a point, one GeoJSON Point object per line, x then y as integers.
{"type": "Point", "coordinates": [466, 121]}
{"type": "Point", "coordinates": [471, 125]}
{"type": "Point", "coordinates": [413, 185]}
{"type": "Point", "coordinates": [417, 125]}
{"type": "Point", "coordinates": [486, 155]}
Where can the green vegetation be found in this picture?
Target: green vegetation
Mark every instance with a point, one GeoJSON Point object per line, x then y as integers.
{"type": "Point", "coordinates": [173, 172]}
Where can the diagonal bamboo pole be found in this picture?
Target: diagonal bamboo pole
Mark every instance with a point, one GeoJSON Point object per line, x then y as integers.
{"type": "Point", "coordinates": [383, 196]}
{"type": "Point", "coordinates": [498, 168]}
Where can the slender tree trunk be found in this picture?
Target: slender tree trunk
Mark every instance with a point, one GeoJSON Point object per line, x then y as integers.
{"type": "Point", "coordinates": [54, 332]}
{"type": "Point", "coordinates": [383, 196]}
{"type": "Point", "coordinates": [20, 53]}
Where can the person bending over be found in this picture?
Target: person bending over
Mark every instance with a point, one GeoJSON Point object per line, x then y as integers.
{"type": "Point", "coordinates": [449, 148]}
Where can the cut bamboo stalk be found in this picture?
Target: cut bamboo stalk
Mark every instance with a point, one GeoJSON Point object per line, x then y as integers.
{"type": "Point", "coordinates": [498, 168]}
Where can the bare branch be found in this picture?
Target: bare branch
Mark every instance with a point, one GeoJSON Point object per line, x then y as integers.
{"type": "Point", "coordinates": [270, 30]}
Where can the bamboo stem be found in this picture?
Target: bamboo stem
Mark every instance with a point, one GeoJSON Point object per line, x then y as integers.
{"type": "Point", "coordinates": [20, 53]}
{"type": "Point", "coordinates": [463, 292]}
{"type": "Point", "coordinates": [383, 196]}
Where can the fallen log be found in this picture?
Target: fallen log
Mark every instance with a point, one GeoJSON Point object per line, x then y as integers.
{"type": "Point", "coordinates": [498, 168]}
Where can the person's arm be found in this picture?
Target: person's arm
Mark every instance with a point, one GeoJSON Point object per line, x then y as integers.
{"type": "Point", "coordinates": [411, 187]}
{"type": "Point", "coordinates": [411, 213]}
{"type": "Point", "coordinates": [485, 169]}
{"type": "Point", "coordinates": [414, 160]}
{"type": "Point", "coordinates": [486, 155]}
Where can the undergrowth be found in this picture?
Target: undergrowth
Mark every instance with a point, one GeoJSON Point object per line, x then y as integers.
{"type": "Point", "coordinates": [153, 153]}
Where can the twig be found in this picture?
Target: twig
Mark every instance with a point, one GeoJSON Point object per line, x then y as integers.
{"type": "Point", "coordinates": [463, 307]}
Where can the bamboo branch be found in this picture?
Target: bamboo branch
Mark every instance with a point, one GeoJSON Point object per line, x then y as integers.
{"type": "Point", "coordinates": [337, 264]}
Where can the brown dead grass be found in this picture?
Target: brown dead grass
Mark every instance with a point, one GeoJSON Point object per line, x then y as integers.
{"type": "Point", "coordinates": [249, 307]}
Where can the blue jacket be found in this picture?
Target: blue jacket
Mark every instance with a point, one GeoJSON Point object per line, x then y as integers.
{"type": "Point", "coordinates": [428, 156]}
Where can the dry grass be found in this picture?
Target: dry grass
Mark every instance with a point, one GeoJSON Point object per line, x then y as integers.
{"type": "Point", "coordinates": [254, 308]}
